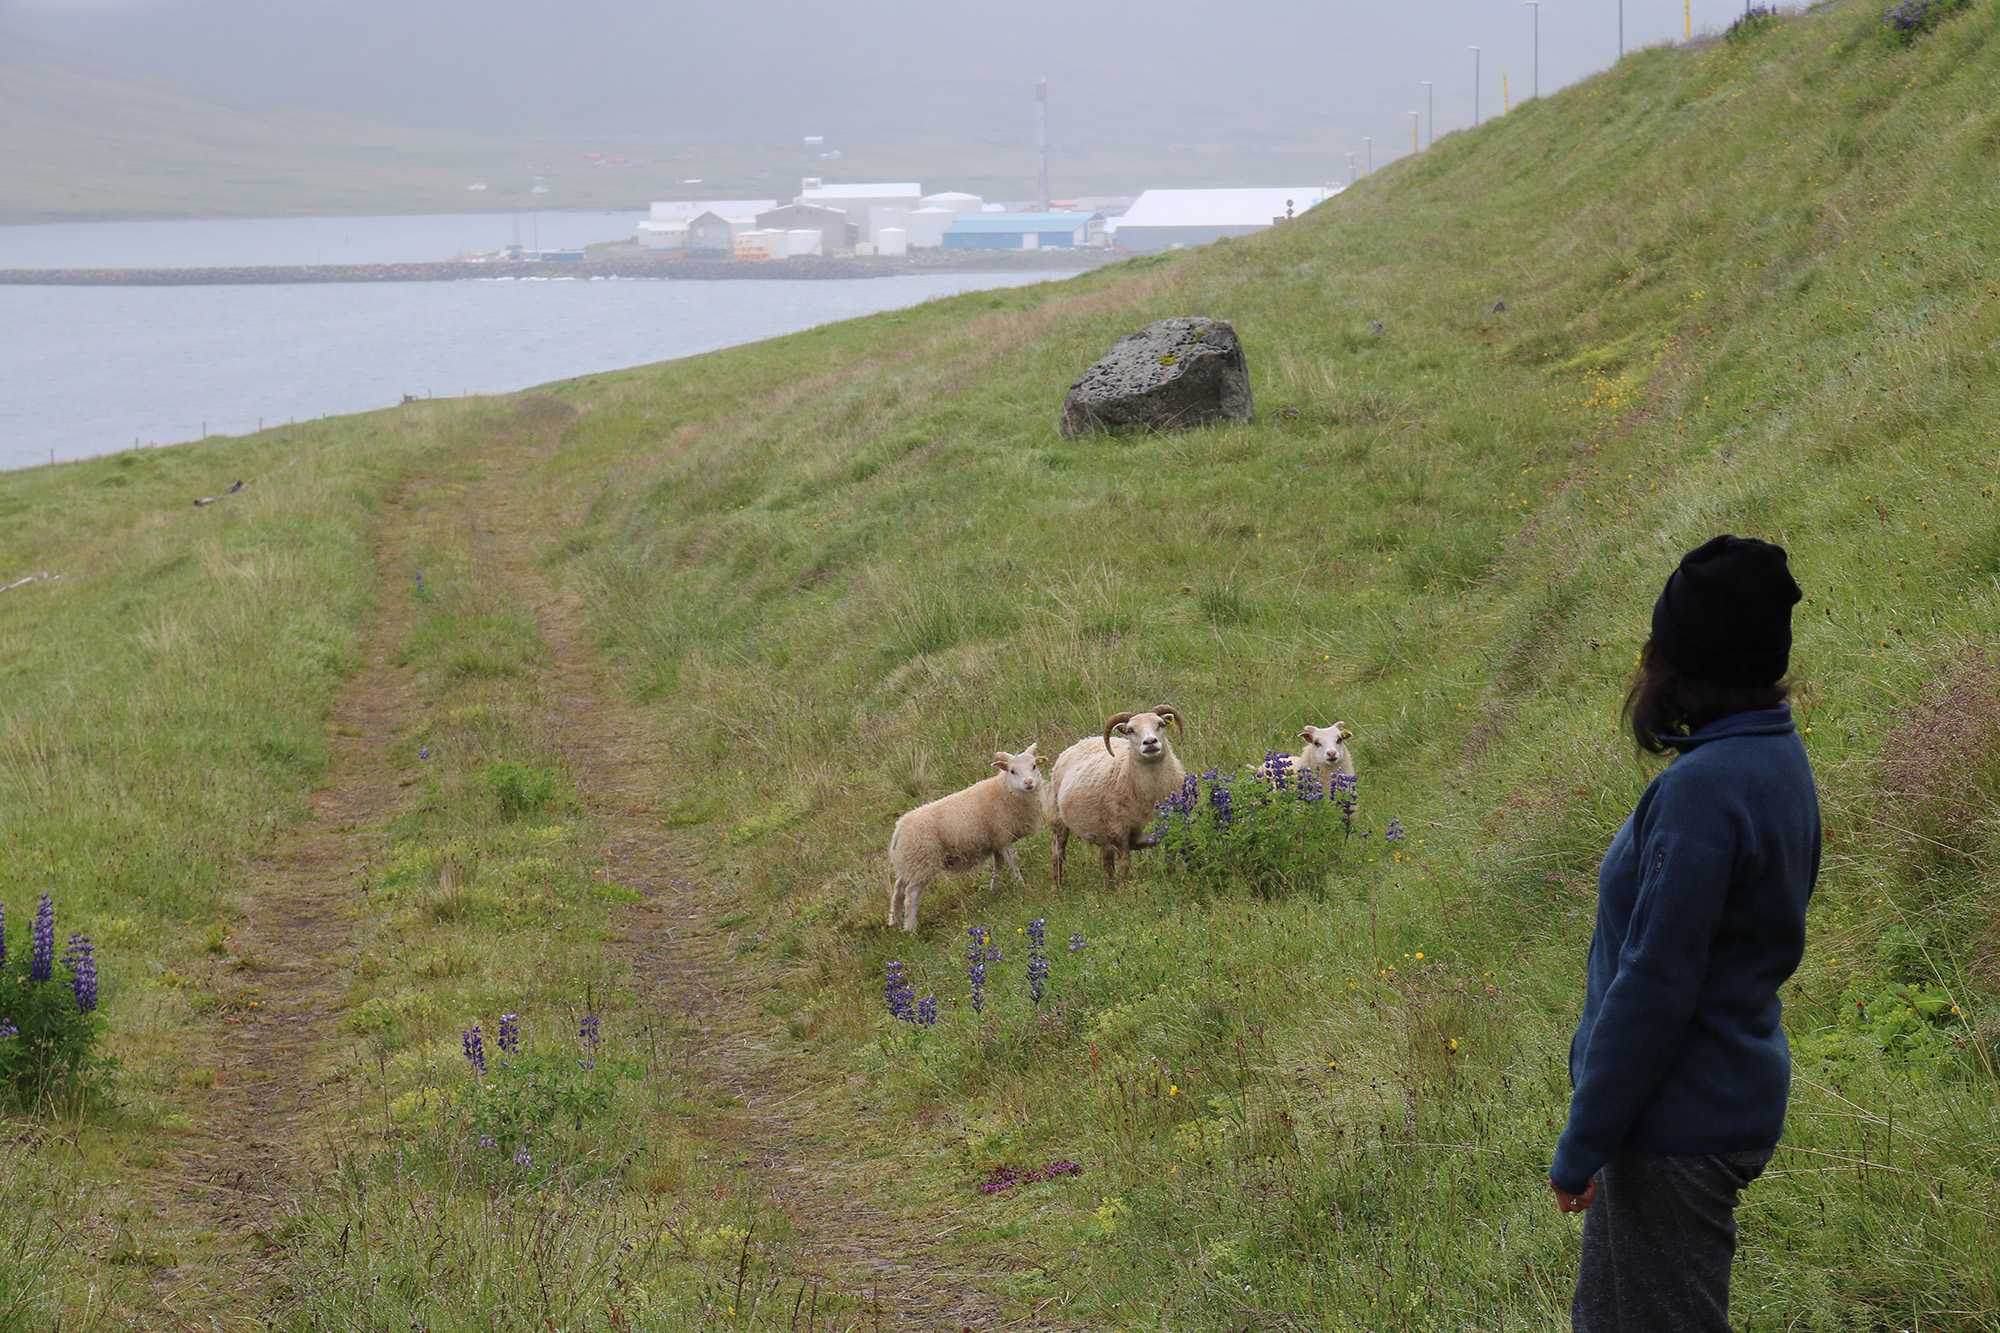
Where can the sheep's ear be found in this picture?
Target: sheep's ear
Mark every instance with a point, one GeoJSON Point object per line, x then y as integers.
{"type": "Point", "coordinates": [1001, 759]}
{"type": "Point", "coordinates": [1041, 759]}
{"type": "Point", "coordinates": [1346, 735]}
{"type": "Point", "coordinates": [1309, 734]}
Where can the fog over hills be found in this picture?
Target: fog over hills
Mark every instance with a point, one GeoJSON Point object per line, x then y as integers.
{"type": "Point", "coordinates": [1219, 83]}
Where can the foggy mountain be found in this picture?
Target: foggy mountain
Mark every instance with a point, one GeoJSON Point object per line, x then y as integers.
{"type": "Point", "coordinates": [1166, 76]}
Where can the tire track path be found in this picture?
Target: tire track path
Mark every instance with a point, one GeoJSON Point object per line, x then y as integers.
{"type": "Point", "coordinates": [681, 958]}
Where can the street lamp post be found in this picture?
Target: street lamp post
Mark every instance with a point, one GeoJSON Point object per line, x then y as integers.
{"type": "Point", "coordinates": [1430, 105]}
{"type": "Point", "coordinates": [1414, 118]}
{"type": "Point", "coordinates": [1475, 84]}
{"type": "Point", "coordinates": [1536, 5]}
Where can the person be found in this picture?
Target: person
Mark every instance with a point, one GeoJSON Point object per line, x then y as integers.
{"type": "Point", "coordinates": [1679, 1067]}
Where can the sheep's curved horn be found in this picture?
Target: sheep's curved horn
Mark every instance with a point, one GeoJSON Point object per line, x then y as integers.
{"type": "Point", "coordinates": [1111, 722]}
{"type": "Point", "coordinates": [1169, 715]}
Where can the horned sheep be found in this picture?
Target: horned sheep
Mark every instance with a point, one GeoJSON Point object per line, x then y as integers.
{"type": "Point", "coordinates": [958, 831]}
{"type": "Point", "coordinates": [1107, 790]}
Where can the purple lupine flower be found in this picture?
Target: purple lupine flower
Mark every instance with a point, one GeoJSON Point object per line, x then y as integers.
{"type": "Point", "coordinates": [1308, 788]}
{"type": "Point", "coordinates": [42, 961]}
{"type": "Point", "coordinates": [975, 966]}
{"type": "Point", "coordinates": [927, 1011]}
{"type": "Point", "coordinates": [1277, 769]}
{"type": "Point", "coordinates": [1076, 944]}
{"type": "Point", "coordinates": [486, 1141]}
{"type": "Point", "coordinates": [424, 754]}
{"type": "Point", "coordinates": [7, 1029]}
{"type": "Point", "coordinates": [420, 583]}
{"type": "Point", "coordinates": [3, 932]}
{"type": "Point", "coordinates": [508, 1039]}
{"type": "Point", "coordinates": [1038, 960]}
{"type": "Point", "coordinates": [1908, 18]}
{"type": "Point", "coordinates": [523, 1158]}
{"type": "Point", "coordinates": [1221, 802]}
{"type": "Point", "coordinates": [587, 1033]}
{"type": "Point", "coordinates": [83, 971]}
{"type": "Point", "coordinates": [474, 1046]}
{"type": "Point", "coordinates": [1394, 833]}
{"type": "Point", "coordinates": [897, 995]}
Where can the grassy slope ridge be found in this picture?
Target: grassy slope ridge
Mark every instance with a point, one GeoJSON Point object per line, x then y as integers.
{"type": "Point", "coordinates": [89, 140]}
{"type": "Point", "coordinates": [1749, 288]}
{"type": "Point", "coordinates": [1746, 288]}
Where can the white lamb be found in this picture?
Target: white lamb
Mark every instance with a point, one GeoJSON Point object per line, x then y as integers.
{"type": "Point", "coordinates": [1325, 754]}
{"type": "Point", "coordinates": [1107, 791]}
{"type": "Point", "coordinates": [958, 831]}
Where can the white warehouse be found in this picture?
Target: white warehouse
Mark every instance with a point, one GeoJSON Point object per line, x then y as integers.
{"type": "Point", "coordinates": [1169, 219]}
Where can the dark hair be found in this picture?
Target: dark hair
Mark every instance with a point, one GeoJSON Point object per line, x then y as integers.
{"type": "Point", "coordinates": [1666, 701]}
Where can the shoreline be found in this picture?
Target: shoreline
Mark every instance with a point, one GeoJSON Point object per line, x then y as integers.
{"type": "Point", "coordinates": [551, 270]}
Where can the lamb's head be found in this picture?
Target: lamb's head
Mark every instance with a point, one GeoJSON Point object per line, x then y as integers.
{"type": "Point", "coordinates": [1020, 770]}
{"type": "Point", "coordinates": [1146, 731]}
{"type": "Point", "coordinates": [1326, 746]}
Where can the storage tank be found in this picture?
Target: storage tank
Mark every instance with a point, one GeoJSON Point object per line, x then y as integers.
{"type": "Point", "coordinates": [892, 241]}
{"type": "Point", "coordinates": [804, 241]}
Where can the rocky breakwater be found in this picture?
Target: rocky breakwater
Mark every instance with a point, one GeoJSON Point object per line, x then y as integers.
{"type": "Point", "coordinates": [554, 270]}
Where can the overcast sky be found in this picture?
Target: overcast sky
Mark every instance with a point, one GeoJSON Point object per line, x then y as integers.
{"type": "Point", "coordinates": [1120, 71]}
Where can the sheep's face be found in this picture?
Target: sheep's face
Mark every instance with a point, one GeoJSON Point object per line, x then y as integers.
{"type": "Point", "coordinates": [1148, 734]}
{"type": "Point", "coordinates": [1326, 746]}
{"type": "Point", "coordinates": [1021, 770]}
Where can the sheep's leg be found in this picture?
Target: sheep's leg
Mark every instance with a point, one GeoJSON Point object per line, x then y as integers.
{"type": "Point", "coordinates": [910, 897]}
{"type": "Point", "coordinates": [1110, 866]}
{"type": "Point", "coordinates": [896, 890]}
{"type": "Point", "coordinates": [1013, 862]}
{"type": "Point", "coordinates": [1060, 841]}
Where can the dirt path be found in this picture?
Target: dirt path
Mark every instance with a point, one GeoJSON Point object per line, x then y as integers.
{"type": "Point", "coordinates": [261, 1132]}
{"type": "Point", "coordinates": [683, 963]}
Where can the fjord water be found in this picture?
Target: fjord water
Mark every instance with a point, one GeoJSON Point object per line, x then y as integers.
{"type": "Point", "coordinates": [91, 370]}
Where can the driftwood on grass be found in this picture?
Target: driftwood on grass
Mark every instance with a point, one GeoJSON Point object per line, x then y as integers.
{"type": "Point", "coordinates": [234, 487]}
{"type": "Point", "coordinates": [32, 578]}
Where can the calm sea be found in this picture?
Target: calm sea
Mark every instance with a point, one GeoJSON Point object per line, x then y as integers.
{"type": "Point", "coordinates": [91, 370]}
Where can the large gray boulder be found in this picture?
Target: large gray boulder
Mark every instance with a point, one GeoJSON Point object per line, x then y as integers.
{"type": "Point", "coordinates": [1169, 375]}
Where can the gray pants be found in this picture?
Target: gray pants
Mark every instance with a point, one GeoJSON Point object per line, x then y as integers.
{"type": "Point", "coordinates": [1657, 1242]}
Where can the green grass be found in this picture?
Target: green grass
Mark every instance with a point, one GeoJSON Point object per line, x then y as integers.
{"type": "Point", "coordinates": [1746, 288]}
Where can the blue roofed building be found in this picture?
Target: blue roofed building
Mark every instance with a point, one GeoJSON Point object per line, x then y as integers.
{"type": "Point", "coordinates": [1017, 231]}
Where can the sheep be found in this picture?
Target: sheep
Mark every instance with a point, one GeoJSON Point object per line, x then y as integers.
{"type": "Point", "coordinates": [958, 831]}
{"type": "Point", "coordinates": [1325, 755]}
{"type": "Point", "coordinates": [1109, 798]}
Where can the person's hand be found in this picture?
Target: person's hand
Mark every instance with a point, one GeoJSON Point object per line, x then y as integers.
{"type": "Point", "coordinates": [1575, 1203]}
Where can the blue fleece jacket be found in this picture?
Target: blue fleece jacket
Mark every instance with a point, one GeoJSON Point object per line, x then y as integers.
{"type": "Point", "coordinates": [1701, 916]}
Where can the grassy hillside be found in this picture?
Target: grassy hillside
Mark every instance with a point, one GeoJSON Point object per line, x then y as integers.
{"type": "Point", "coordinates": [90, 140]}
{"type": "Point", "coordinates": [1750, 288]}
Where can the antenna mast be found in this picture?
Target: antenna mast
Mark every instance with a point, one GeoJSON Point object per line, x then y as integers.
{"type": "Point", "coordinates": [1042, 143]}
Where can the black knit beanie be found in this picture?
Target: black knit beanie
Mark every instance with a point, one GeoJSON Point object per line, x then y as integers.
{"type": "Point", "coordinates": [1726, 613]}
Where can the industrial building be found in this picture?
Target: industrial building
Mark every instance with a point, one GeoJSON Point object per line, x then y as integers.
{"type": "Point", "coordinates": [666, 227]}
{"type": "Point", "coordinates": [869, 207]}
{"type": "Point", "coordinates": [836, 229]}
{"type": "Point", "coordinates": [1170, 219]}
{"type": "Point", "coordinates": [1017, 231]}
